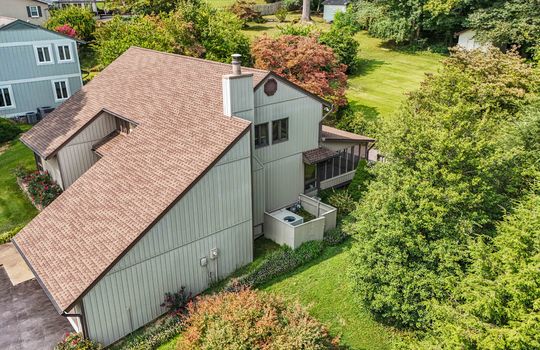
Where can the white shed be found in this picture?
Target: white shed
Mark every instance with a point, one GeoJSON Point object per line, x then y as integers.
{"type": "Point", "coordinates": [331, 7]}
{"type": "Point", "coordinates": [467, 40]}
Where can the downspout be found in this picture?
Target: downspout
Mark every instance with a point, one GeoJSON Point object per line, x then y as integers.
{"type": "Point", "coordinates": [323, 118]}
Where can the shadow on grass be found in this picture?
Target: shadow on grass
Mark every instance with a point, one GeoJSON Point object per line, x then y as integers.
{"type": "Point", "coordinates": [370, 114]}
{"type": "Point", "coordinates": [366, 66]}
{"type": "Point", "coordinates": [257, 28]}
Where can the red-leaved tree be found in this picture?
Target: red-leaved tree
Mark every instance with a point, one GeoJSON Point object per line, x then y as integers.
{"type": "Point", "coordinates": [305, 62]}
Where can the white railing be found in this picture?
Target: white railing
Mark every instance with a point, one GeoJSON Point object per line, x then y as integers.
{"type": "Point", "coordinates": [337, 180]}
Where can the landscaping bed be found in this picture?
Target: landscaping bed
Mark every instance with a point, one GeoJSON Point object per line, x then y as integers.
{"type": "Point", "coordinates": [38, 186]}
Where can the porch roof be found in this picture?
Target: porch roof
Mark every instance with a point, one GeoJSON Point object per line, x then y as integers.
{"type": "Point", "coordinates": [329, 133]}
{"type": "Point", "coordinates": [318, 155]}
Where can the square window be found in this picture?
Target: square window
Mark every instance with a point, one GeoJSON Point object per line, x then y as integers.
{"type": "Point", "coordinates": [261, 135]}
{"type": "Point", "coordinates": [280, 130]}
{"type": "Point", "coordinates": [43, 55]}
{"type": "Point", "coordinates": [60, 90]}
{"type": "Point", "coordinates": [6, 98]}
{"type": "Point", "coordinates": [64, 53]}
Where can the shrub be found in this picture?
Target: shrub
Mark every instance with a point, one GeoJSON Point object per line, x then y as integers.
{"type": "Point", "coordinates": [281, 14]}
{"type": "Point", "coordinates": [347, 20]}
{"type": "Point", "coordinates": [244, 10]}
{"type": "Point", "coordinates": [114, 37]}
{"type": "Point", "coordinates": [155, 335]}
{"type": "Point", "coordinates": [66, 29]}
{"type": "Point", "coordinates": [335, 236]}
{"type": "Point", "coordinates": [176, 302]}
{"type": "Point", "coordinates": [360, 181]}
{"type": "Point", "coordinates": [75, 341]}
{"type": "Point", "coordinates": [299, 29]}
{"type": "Point", "coordinates": [343, 201]}
{"type": "Point", "coordinates": [251, 320]}
{"type": "Point", "coordinates": [344, 45]}
{"type": "Point", "coordinates": [80, 19]}
{"type": "Point", "coordinates": [8, 130]}
{"type": "Point", "coordinates": [277, 263]}
{"type": "Point", "coordinates": [6, 236]}
{"type": "Point", "coordinates": [42, 189]}
{"type": "Point", "coordinates": [305, 62]}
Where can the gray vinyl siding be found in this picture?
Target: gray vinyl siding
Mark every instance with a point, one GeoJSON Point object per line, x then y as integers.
{"type": "Point", "coordinates": [282, 162]}
{"type": "Point", "coordinates": [215, 213]}
{"type": "Point", "coordinates": [32, 83]}
{"type": "Point", "coordinates": [77, 156]}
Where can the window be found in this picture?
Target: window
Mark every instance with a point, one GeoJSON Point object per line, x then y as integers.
{"type": "Point", "coordinates": [64, 53]}
{"type": "Point", "coordinates": [43, 55]}
{"type": "Point", "coordinates": [61, 90]}
{"type": "Point", "coordinates": [280, 130]}
{"type": "Point", "coordinates": [6, 98]}
{"type": "Point", "coordinates": [261, 135]}
{"type": "Point", "coordinates": [123, 126]}
{"type": "Point", "coordinates": [33, 11]}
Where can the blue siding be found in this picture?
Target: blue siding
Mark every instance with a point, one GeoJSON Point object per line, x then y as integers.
{"type": "Point", "coordinates": [32, 83]}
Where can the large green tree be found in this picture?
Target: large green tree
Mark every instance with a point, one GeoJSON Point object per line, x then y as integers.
{"type": "Point", "coordinates": [510, 22]}
{"type": "Point", "coordinates": [451, 173]}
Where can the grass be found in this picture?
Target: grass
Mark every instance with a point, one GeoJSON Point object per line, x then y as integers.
{"type": "Point", "coordinates": [271, 27]}
{"type": "Point", "coordinates": [228, 3]}
{"type": "Point", "coordinates": [386, 75]}
{"type": "Point", "coordinates": [15, 208]}
{"type": "Point", "coordinates": [322, 286]}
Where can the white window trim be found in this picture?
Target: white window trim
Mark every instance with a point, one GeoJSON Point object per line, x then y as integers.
{"type": "Point", "coordinates": [10, 91]}
{"type": "Point", "coordinates": [51, 54]}
{"type": "Point", "coordinates": [56, 99]}
{"type": "Point", "coordinates": [37, 11]}
{"type": "Point", "coordinates": [65, 43]}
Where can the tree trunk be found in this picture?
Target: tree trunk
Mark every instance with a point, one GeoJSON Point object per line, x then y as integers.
{"type": "Point", "coordinates": [306, 9]}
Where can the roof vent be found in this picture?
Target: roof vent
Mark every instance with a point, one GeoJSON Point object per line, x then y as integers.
{"type": "Point", "coordinates": [236, 65]}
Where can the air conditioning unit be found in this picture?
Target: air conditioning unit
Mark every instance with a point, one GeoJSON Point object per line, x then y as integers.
{"type": "Point", "coordinates": [31, 117]}
{"type": "Point", "coordinates": [43, 111]}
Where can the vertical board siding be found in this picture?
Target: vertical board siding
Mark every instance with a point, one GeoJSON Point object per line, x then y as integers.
{"type": "Point", "coordinates": [238, 96]}
{"type": "Point", "coordinates": [215, 213]}
{"type": "Point", "coordinates": [77, 156]}
{"type": "Point", "coordinates": [283, 165]}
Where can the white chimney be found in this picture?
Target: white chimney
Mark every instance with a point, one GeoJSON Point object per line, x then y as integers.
{"type": "Point", "coordinates": [238, 94]}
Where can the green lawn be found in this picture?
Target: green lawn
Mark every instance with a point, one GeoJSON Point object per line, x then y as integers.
{"type": "Point", "coordinates": [386, 75]}
{"type": "Point", "coordinates": [323, 288]}
{"type": "Point", "coordinates": [228, 3]}
{"type": "Point", "coordinates": [15, 209]}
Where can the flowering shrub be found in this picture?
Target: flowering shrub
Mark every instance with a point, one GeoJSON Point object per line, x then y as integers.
{"type": "Point", "coordinates": [66, 29]}
{"type": "Point", "coordinates": [75, 341]}
{"type": "Point", "coordinates": [41, 188]}
{"type": "Point", "coordinates": [251, 320]}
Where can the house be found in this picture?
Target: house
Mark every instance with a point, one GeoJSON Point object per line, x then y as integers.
{"type": "Point", "coordinates": [40, 68]}
{"type": "Point", "coordinates": [92, 5]}
{"type": "Point", "coordinates": [32, 11]}
{"type": "Point", "coordinates": [331, 7]}
{"type": "Point", "coordinates": [170, 166]}
{"type": "Point", "coordinates": [467, 41]}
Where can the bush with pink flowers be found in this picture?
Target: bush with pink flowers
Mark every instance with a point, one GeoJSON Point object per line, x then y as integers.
{"type": "Point", "coordinates": [66, 29]}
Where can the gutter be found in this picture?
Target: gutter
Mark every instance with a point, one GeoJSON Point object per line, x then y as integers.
{"type": "Point", "coordinates": [81, 318]}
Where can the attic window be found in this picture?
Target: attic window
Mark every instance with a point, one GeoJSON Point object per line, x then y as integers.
{"type": "Point", "coordinates": [123, 126]}
{"type": "Point", "coordinates": [270, 87]}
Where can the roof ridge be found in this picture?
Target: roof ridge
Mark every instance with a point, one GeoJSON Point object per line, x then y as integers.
{"type": "Point", "coordinates": [195, 58]}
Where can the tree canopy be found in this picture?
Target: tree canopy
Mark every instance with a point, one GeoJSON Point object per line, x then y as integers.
{"type": "Point", "coordinates": [453, 170]}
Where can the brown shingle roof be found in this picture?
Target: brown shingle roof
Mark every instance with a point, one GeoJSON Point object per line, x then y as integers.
{"type": "Point", "coordinates": [317, 155]}
{"type": "Point", "coordinates": [332, 134]}
{"type": "Point", "coordinates": [177, 103]}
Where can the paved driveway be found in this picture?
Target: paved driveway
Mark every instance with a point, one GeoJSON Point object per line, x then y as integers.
{"type": "Point", "coordinates": [28, 320]}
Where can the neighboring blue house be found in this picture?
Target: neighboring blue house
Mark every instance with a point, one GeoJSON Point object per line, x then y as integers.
{"type": "Point", "coordinates": [39, 67]}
